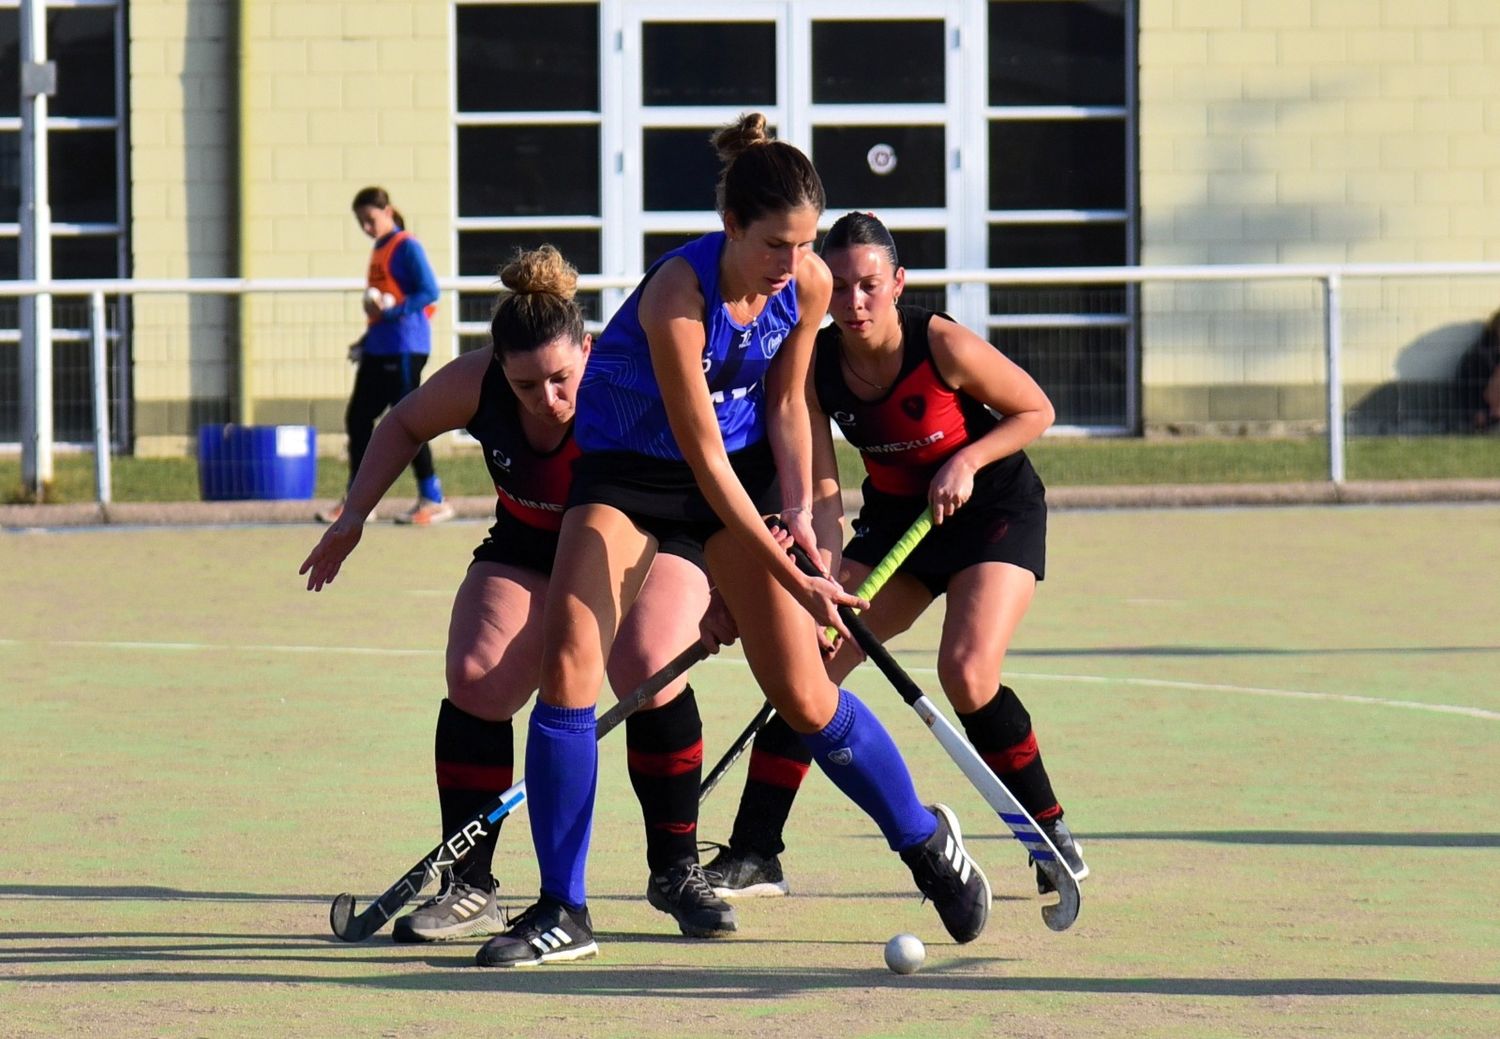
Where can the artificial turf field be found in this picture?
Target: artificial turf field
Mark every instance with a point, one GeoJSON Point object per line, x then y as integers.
{"type": "Point", "coordinates": [1276, 731]}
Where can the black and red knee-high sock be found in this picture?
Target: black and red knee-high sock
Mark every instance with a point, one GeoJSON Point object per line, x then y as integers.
{"type": "Point", "coordinates": [475, 760]}
{"type": "Point", "coordinates": [779, 760]}
{"type": "Point", "coordinates": [664, 751]}
{"type": "Point", "coordinates": [1001, 732]}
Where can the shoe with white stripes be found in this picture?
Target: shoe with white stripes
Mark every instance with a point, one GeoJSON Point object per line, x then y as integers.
{"type": "Point", "coordinates": [458, 910]}
{"type": "Point", "coordinates": [944, 872]}
{"type": "Point", "coordinates": [546, 932]}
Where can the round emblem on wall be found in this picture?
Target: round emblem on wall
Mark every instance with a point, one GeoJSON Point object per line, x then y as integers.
{"type": "Point", "coordinates": [881, 159]}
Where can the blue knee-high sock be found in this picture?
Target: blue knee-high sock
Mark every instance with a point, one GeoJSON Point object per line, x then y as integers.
{"type": "Point", "coordinates": [859, 756]}
{"type": "Point", "coordinates": [562, 767]}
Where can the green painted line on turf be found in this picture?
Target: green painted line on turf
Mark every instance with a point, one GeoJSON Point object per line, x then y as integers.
{"type": "Point", "coordinates": [1158, 683]}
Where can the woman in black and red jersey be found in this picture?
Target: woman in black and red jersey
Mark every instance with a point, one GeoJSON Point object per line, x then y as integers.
{"type": "Point", "coordinates": [518, 401]}
{"type": "Point", "coordinates": [918, 395]}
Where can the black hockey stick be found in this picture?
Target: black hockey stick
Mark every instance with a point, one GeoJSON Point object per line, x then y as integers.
{"type": "Point", "coordinates": [872, 583]}
{"type": "Point", "coordinates": [354, 926]}
{"type": "Point", "coordinates": [1058, 916]}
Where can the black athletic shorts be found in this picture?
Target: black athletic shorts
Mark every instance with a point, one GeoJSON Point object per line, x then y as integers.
{"type": "Point", "coordinates": [662, 496]}
{"type": "Point", "coordinates": [513, 543]}
{"type": "Point", "coordinates": [999, 524]}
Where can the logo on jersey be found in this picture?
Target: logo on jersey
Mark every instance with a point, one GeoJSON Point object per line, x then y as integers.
{"type": "Point", "coordinates": [915, 407]}
{"type": "Point", "coordinates": [771, 343]}
{"type": "Point", "coordinates": [843, 418]}
{"type": "Point", "coordinates": [499, 458]}
{"type": "Point", "coordinates": [842, 756]}
{"type": "Point", "coordinates": [903, 445]}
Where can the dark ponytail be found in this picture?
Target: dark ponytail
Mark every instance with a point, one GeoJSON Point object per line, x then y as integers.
{"type": "Point", "coordinates": [380, 199]}
{"type": "Point", "coordinates": [860, 229]}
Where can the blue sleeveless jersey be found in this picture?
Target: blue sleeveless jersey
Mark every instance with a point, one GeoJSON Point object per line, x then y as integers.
{"type": "Point", "coordinates": [619, 402]}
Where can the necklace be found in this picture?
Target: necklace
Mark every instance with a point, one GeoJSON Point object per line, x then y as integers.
{"type": "Point", "coordinates": [849, 367]}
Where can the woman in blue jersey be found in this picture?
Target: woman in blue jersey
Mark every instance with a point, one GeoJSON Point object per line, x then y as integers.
{"type": "Point", "coordinates": [918, 395]}
{"type": "Point", "coordinates": [518, 401]}
{"type": "Point", "coordinates": [401, 297]}
{"type": "Point", "coordinates": [693, 422]}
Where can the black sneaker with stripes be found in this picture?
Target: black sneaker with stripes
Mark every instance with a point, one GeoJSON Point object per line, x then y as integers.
{"type": "Point", "coordinates": [458, 910]}
{"type": "Point", "coordinates": [544, 933]}
{"type": "Point", "coordinates": [944, 873]}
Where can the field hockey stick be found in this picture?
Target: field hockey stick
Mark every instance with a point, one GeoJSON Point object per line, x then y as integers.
{"type": "Point", "coordinates": [354, 926]}
{"type": "Point", "coordinates": [1058, 916]}
{"type": "Point", "coordinates": [872, 583]}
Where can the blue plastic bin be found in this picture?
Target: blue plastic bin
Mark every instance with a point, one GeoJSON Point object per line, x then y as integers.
{"type": "Point", "coordinates": [242, 462]}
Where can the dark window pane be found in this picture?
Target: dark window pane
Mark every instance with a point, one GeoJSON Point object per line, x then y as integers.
{"type": "Point", "coordinates": [531, 57]}
{"type": "Point", "coordinates": [1057, 164]}
{"type": "Point", "coordinates": [10, 178]}
{"type": "Point", "coordinates": [528, 170]}
{"type": "Point", "coordinates": [485, 252]}
{"type": "Point", "coordinates": [924, 249]}
{"type": "Point", "coordinates": [658, 244]}
{"type": "Point", "coordinates": [909, 160]}
{"type": "Point", "coordinates": [10, 387]}
{"type": "Point", "coordinates": [82, 164]}
{"type": "Point", "coordinates": [679, 169]}
{"type": "Point", "coordinates": [10, 270]}
{"type": "Point", "coordinates": [1057, 52]}
{"type": "Point", "coordinates": [82, 42]}
{"type": "Point", "coordinates": [708, 63]}
{"type": "Point", "coordinates": [862, 62]}
{"type": "Point", "coordinates": [10, 62]}
{"type": "Point", "coordinates": [1083, 370]}
{"type": "Point", "coordinates": [85, 257]}
{"type": "Point", "coordinates": [1057, 245]}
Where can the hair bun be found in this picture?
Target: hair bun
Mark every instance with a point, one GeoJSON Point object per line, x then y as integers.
{"type": "Point", "coordinates": [541, 271]}
{"type": "Point", "coordinates": [745, 132]}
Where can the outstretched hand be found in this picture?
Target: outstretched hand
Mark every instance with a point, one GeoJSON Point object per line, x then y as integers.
{"type": "Point", "coordinates": [322, 564]}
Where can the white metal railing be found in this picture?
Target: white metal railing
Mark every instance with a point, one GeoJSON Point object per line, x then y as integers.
{"type": "Point", "coordinates": [1330, 277]}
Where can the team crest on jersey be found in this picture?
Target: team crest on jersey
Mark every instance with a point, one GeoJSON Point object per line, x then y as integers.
{"type": "Point", "coordinates": [771, 343]}
{"type": "Point", "coordinates": [501, 460]}
{"type": "Point", "coordinates": [843, 418]}
{"type": "Point", "coordinates": [915, 407]}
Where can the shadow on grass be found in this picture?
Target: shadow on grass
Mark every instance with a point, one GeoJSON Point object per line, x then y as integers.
{"type": "Point", "coordinates": [456, 974]}
{"type": "Point", "coordinates": [75, 892]}
{"type": "Point", "coordinates": [1243, 651]}
{"type": "Point", "coordinates": [1313, 838]}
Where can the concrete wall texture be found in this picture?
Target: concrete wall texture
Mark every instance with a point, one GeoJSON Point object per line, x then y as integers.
{"type": "Point", "coordinates": [1289, 131]}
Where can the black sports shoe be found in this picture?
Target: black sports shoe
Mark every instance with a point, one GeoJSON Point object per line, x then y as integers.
{"type": "Point", "coordinates": [944, 872]}
{"type": "Point", "coordinates": [458, 910]}
{"type": "Point", "coordinates": [683, 891]}
{"type": "Point", "coordinates": [543, 933]}
{"type": "Point", "coordinates": [1070, 850]}
{"type": "Point", "coordinates": [745, 874]}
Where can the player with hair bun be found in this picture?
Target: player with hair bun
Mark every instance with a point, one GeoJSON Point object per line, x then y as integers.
{"type": "Point", "coordinates": [918, 395]}
{"type": "Point", "coordinates": [518, 400]}
{"type": "Point", "coordinates": [693, 423]}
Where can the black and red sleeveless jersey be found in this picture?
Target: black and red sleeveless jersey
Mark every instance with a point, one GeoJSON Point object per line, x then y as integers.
{"type": "Point", "coordinates": [907, 434]}
{"type": "Point", "coordinates": [532, 485]}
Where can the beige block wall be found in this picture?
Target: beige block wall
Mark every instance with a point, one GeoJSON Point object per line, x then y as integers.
{"type": "Point", "coordinates": [338, 96]}
{"type": "Point", "coordinates": [184, 221]}
{"type": "Point", "coordinates": [1289, 131]}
